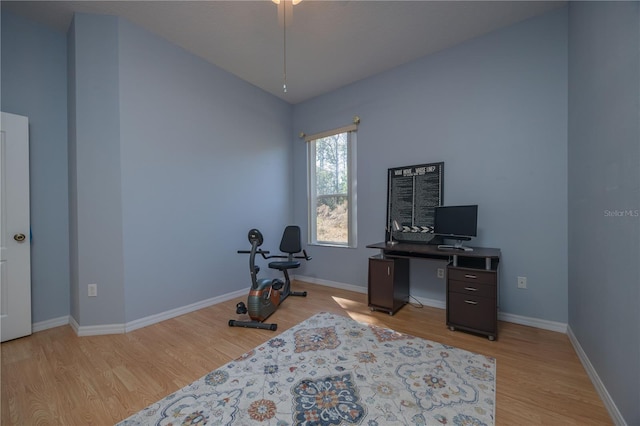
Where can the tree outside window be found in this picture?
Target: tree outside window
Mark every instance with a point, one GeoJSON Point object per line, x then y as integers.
{"type": "Point", "coordinates": [332, 204]}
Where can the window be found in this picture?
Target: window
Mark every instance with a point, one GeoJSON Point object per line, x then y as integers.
{"type": "Point", "coordinates": [332, 195]}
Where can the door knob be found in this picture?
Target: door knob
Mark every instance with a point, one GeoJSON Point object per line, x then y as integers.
{"type": "Point", "coordinates": [19, 237]}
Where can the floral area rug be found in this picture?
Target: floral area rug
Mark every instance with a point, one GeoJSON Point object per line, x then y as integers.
{"type": "Point", "coordinates": [331, 370]}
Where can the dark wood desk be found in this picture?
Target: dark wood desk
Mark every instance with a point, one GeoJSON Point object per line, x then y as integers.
{"type": "Point", "coordinates": [472, 283]}
{"type": "Point", "coordinates": [431, 251]}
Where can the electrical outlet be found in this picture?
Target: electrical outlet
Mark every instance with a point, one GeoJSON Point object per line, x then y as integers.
{"type": "Point", "coordinates": [440, 273]}
{"type": "Point", "coordinates": [522, 282]}
{"type": "Point", "coordinates": [92, 290]}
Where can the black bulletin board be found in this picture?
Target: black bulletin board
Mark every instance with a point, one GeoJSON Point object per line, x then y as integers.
{"type": "Point", "coordinates": [412, 194]}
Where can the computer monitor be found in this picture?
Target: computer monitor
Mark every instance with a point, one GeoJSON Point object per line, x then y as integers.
{"type": "Point", "coordinates": [458, 223]}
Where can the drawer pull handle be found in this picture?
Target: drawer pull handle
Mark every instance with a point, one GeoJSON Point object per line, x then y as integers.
{"type": "Point", "coordinates": [471, 289]}
{"type": "Point", "coordinates": [470, 276]}
{"type": "Point", "coordinates": [471, 302]}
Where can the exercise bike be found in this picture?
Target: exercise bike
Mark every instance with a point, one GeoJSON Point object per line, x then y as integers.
{"type": "Point", "coordinates": [266, 294]}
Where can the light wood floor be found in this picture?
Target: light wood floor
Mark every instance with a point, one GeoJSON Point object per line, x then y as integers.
{"type": "Point", "coordinates": [56, 378]}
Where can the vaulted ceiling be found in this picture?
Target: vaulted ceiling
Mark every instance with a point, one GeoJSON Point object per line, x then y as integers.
{"type": "Point", "coordinates": [329, 44]}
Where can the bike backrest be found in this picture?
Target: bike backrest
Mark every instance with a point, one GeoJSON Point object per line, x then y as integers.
{"type": "Point", "coordinates": [290, 242]}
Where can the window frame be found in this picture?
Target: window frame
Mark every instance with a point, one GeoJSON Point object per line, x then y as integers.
{"type": "Point", "coordinates": [351, 188]}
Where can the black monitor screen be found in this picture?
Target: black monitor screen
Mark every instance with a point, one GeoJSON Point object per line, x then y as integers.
{"type": "Point", "coordinates": [456, 221]}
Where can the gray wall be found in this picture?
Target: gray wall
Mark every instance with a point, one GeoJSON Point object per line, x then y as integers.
{"type": "Point", "coordinates": [34, 72]}
{"type": "Point", "coordinates": [170, 162]}
{"type": "Point", "coordinates": [185, 161]}
{"type": "Point", "coordinates": [604, 178]}
{"type": "Point", "coordinates": [74, 295]}
{"type": "Point", "coordinates": [95, 160]}
{"type": "Point", "coordinates": [204, 158]}
{"type": "Point", "coordinates": [494, 110]}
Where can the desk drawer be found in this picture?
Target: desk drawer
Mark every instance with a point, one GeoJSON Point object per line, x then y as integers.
{"type": "Point", "coordinates": [473, 289]}
{"type": "Point", "coordinates": [472, 275]}
{"type": "Point", "coordinates": [478, 313]}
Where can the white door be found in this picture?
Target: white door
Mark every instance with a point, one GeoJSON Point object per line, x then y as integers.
{"type": "Point", "coordinates": [15, 244]}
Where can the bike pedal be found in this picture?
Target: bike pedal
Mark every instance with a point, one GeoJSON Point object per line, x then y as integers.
{"type": "Point", "coordinates": [241, 308]}
{"type": "Point", "coordinates": [277, 284]}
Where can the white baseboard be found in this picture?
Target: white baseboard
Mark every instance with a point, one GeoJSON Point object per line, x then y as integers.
{"type": "Point", "coordinates": [152, 319]}
{"type": "Point", "coordinates": [434, 303]}
{"type": "Point", "coordinates": [73, 324]}
{"type": "Point", "coordinates": [96, 330]}
{"type": "Point", "coordinates": [615, 414]}
{"type": "Point", "coordinates": [560, 327]}
{"type": "Point", "coordinates": [327, 283]}
{"type": "Point", "coordinates": [52, 323]}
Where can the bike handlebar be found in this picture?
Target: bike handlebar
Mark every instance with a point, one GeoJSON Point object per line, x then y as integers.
{"type": "Point", "coordinates": [305, 255]}
{"type": "Point", "coordinates": [262, 252]}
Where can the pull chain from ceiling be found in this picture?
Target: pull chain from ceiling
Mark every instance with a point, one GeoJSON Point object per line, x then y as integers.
{"type": "Point", "coordinates": [284, 64]}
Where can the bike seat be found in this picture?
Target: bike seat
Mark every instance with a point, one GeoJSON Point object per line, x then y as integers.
{"type": "Point", "coordinates": [281, 266]}
{"type": "Point", "coordinates": [290, 244]}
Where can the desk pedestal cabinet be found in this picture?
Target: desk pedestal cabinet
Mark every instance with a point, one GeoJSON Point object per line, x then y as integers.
{"type": "Point", "coordinates": [388, 283]}
{"type": "Point", "coordinates": [472, 283]}
{"type": "Point", "coordinates": [472, 300]}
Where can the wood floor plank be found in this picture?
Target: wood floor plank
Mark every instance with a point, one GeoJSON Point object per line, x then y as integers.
{"type": "Point", "coordinates": [54, 377]}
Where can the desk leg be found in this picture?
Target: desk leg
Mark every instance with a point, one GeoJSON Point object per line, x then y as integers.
{"type": "Point", "coordinates": [455, 260]}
